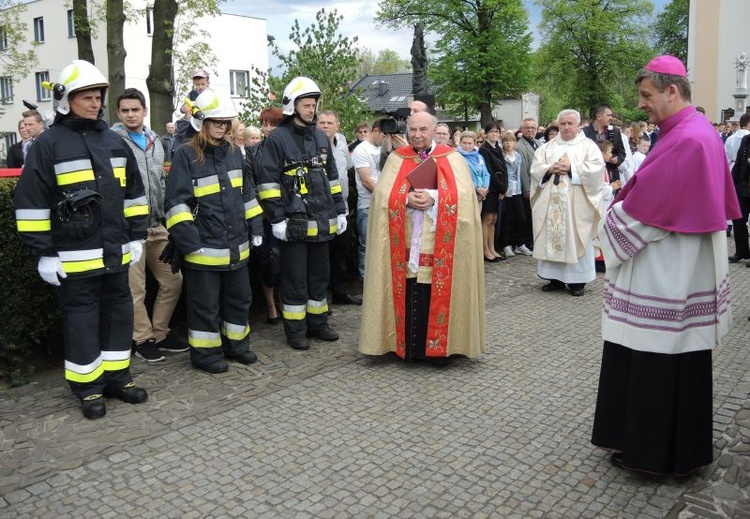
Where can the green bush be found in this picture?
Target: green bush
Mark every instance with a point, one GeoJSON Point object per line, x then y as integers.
{"type": "Point", "coordinates": [30, 326]}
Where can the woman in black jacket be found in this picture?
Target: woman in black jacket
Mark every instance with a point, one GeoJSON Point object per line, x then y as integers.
{"type": "Point", "coordinates": [492, 205]}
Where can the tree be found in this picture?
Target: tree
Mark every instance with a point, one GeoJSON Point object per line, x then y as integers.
{"type": "Point", "coordinates": [19, 57]}
{"type": "Point", "coordinates": [386, 62]}
{"type": "Point", "coordinates": [83, 30]}
{"type": "Point", "coordinates": [115, 52]}
{"type": "Point", "coordinates": [176, 26]}
{"type": "Point", "coordinates": [671, 29]}
{"type": "Point", "coordinates": [482, 53]}
{"type": "Point", "coordinates": [325, 56]}
{"type": "Point", "coordinates": [592, 49]}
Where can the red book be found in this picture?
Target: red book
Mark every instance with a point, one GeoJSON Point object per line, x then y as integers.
{"type": "Point", "coordinates": [424, 176]}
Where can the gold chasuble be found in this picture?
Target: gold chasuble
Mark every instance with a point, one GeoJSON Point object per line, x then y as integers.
{"type": "Point", "coordinates": [450, 260]}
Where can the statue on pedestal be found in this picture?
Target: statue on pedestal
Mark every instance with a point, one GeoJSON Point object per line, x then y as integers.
{"type": "Point", "coordinates": [419, 61]}
{"type": "Point", "coordinates": [741, 63]}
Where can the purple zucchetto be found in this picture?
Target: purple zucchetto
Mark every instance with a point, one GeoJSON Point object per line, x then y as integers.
{"type": "Point", "coordinates": [667, 64]}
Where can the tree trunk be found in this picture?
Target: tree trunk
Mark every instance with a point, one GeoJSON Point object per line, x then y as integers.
{"type": "Point", "coordinates": [115, 53]}
{"type": "Point", "coordinates": [83, 30]}
{"type": "Point", "coordinates": [160, 79]}
{"type": "Point", "coordinates": [485, 113]}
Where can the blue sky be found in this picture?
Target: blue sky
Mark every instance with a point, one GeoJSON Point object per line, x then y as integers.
{"type": "Point", "coordinates": [358, 16]}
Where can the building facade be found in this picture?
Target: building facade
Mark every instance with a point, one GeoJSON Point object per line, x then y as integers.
{"type": "Point", "coordinates": [239, 43]}
{"type": "Point", "coordinates": [717, 34]}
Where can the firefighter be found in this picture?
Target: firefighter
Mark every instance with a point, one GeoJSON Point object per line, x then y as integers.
{"type": "Point", "coordinates": [212, 215]}
{"type": "Point", "coordinates": [300, 191]}
{"type": "Point", "coordinates": [81, 209]}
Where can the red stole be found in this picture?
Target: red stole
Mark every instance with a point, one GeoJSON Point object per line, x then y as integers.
{"type": "Point", "coordinates": [443, 255]}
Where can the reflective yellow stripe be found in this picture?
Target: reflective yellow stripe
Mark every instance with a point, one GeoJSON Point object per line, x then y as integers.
{"type": "Point", "coordinates": [200, 259]}
{"type": "Point", "coordinates": [136, 210]}
{"type": "Point", "coordinates": [293, 312]}
{"type": "Point", "coordinates": [253, 212]}
{"type": "Point", "coordinates": [125, 258]}
{"type": "Point", "coordinates": [198, 339]}
{"type": "Point", "coordinates": [65, 179]}
{"type": "Point", "coordinates": [237, 182]}
{"type": "Point", "coordinates": [269, 193]}
{"type": "Point", "coordinates": [33, 225]}
{"type": "Point", "coordinates": [235, 332]}
{"type": "Point", "coordinates": [335, 189]}
{"type": "Point", "coordinates": [115, 365]}
{"type": "Point", "coordinates": [120, 174]}
{"type": "Point", "coordinates": [84, 378]}
{"type": "Point", "coordinates": [179, 217]}
{"type": "Point", "coordinates": [206, 190]}
{"type": "Point", "coordinates": [72, 267]}
{"type": "Point", "coordinates": [317, 307]}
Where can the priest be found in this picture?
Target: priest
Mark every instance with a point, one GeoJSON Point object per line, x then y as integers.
{"type": "Point", "coordinates": [424, 273]}
{"type": "Point", "coordinates": [666, 292]}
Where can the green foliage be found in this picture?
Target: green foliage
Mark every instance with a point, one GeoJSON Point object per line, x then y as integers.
{"type": "Point", "coordinates": [322, 54]}
{"type": "Point", "coordinates": [386, 62]}
{"type": "Point", "coordinates": [19, 58]}
{"type": "Point", "coordinates": [31, 320]}
{"type": "Point", "coordinates": [591, 51]}
{"type": "Point", "coordinates": [481, 55]}
{"type": "Point", "coordinates": [671, 29]}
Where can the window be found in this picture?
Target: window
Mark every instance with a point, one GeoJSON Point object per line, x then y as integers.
{"type": "Point", "coordinates": [42, 94]}
{"type": "Point", "coordinates": [150, 20]}
{"type": "Point", "coordinates": [71, 24]}
{"type": "Point", "coordinates": [3, 39]}
{"type": "Point", "coordinates": [6, 90]}
{"type": "Point", "coordinates": [39, 29]}
{"type": "Point", "coordinates": [239, 81]}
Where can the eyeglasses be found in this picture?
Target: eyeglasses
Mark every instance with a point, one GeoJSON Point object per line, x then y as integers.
{"type": "Point", "coordinates": [226, 123]}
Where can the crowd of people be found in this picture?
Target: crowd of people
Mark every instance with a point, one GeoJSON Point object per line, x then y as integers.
{"type": "Point", "coordinates": [430, 207]}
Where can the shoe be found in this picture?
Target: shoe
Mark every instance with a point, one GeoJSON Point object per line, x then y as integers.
{"type": "Point", "coordinates": [246, 358]}
{"type": "Point", "coordinates": [93, 407]}
{"type": "Point", "coordinates": [149, 352]}
{"type": "Point", "coordinates": [215, 367]}
{"type": "Point", "coordinates": [273, 320]}
{"type": "Point", "coordinates": [736, 258]}
{"type": "Point", "coordinates": [729, 231]}
{"type": "Point", "coordinates": [508, 251]}
{"type": "Point", "coordinates": [523, 250]}
{"type": "Point", "coordinates": [326, 334]}
{"type": "Point", "coordinates": [298, 343]}
{"type": "Point", "coordinates": [578, 292]}
{"type": "Point", "coordinates": [346, 299]}
{"type": "Point", "coordinates": [129, 393]}
{"type": "Point", "coordinates": [501, 257]}
{"type": "Point", "coordinates": [491, 260]}
{"type": "Point", "coordinates": [552, 286]}
{"type": "Point", "coordinates": [616, 460]}
{"type": "Point", "coordinates": [171, 345]}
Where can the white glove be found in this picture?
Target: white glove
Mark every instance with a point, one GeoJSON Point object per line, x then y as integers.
{"type": "Point", "coordinates": [257, 241]}
{"type": "Point", "coordinates": [49, 268]}
{"type": "Point", "coordinates": [341, 221]}
{"type": "Point", "coordinates": [279, 230]}
{"type": "Point", "coordinates": [136, 251]}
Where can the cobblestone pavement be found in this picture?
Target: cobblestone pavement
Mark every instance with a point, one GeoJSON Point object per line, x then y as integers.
{"type": "Point", "coordinates": [330, 433]}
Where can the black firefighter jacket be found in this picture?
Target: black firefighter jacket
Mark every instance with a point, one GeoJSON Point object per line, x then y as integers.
{"type": "Point", "coordinates": [78, 157]}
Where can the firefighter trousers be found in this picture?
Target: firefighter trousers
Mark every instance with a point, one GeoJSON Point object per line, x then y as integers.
{"type": "Point", "coordinates": [304, 286]}
{"type": "Point", "coordinates": [97, 315]}
{"type": "Point", "coordinates": [218, 306]}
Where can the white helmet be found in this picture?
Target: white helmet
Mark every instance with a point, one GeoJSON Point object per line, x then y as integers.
{"type": "Point", "coordinates": [210, 105]}
{"type": "Point", "coordinates": [298, 88]}
{"type": "Point", "coordinates": [78, 75]}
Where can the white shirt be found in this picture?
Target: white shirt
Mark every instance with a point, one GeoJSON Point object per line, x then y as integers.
{"type": "Point", "coordinates": [365, 155]}
{"type": "Point", "coordinates": [732, 146]}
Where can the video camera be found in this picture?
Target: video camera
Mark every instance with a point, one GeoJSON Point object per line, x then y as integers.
{"type": "Point", "coordinates": [395, 125]}
{"type": "Point", "coordinates": [391, 126]}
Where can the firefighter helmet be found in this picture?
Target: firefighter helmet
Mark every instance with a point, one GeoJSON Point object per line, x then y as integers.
{"type": "Point", "coordinates": [78, 75]}
{"type": "Point", "coordinates": [211, 106]}
{"type": "Point", "coordinates": [298, 88]}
